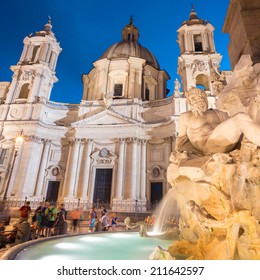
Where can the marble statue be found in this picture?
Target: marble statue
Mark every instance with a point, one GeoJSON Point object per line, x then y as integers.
{"type": "Point", "coordinates": [141, 224]}
{"type": "Point", "coordinates": [209, 131]}
{"type": "Point", "coordinates": [215, 172]}
{"type": "Point", "coordinates": [177, 86]}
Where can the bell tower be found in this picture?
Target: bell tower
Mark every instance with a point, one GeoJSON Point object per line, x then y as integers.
{"type": "Point", "coordinates": [198, 59]}
{"type": "Point", "coordinates": [34, 74]}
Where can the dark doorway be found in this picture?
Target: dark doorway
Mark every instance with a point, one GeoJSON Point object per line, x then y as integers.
{"type": "Point", "coordinates": [52, 191]}
{"type": "Point", "coordinates": [156, 193]}
{"type": "Point", "coordinates": [102, 188]}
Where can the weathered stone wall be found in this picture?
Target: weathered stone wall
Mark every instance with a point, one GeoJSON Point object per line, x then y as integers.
{"type": "Point", "coordinates": [243, 25]}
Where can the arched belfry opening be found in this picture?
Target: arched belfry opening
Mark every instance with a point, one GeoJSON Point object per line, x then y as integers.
{"type": "Point", "coordinates": [24, 93]}
{"type": "Point", "coordinates": [198, 43]}
{"type": "Point", "coordinates": [202, 82]}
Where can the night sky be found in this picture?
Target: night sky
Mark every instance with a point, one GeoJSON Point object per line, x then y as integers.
{"type": "Point", "coordinates": [85, 29]}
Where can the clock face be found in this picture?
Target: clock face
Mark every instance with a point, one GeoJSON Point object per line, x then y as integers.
{"type": "Point", "coordinates": [104, 152]}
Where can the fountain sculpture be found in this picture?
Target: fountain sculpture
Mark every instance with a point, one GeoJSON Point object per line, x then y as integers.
{"type": "Point", "coordinates": [215, 171]}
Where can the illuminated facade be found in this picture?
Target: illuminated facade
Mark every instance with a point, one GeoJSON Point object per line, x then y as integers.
{"type": "Point", "coordinates": [114, 146]}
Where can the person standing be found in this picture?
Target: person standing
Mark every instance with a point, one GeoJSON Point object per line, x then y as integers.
{"type": "Point", "coordinates": [50, 214]}
{"type": "Point", "coordinates": [76, 217]}
{"type": "Point", "coordinates": [105, 222]}
{"type": "Point", "coordinates": [92, 218]}
{"type": "Point", "coordinates": [39, 208]}
{"type": "Point", "coordinates": [114, 221]}
{"type": "Point", "coordinates": [103, 211]}
{"type": "Point", "coordinates": [60, 220]}
{"type": "Point", "coordinates": [25, 211]}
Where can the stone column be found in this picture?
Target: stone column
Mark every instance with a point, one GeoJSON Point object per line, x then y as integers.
{"type": "Point", "coordinates": [25, 49]}
{"type": "Point", "coordinates": [31, 164]}
{"type": "Point", "coordinates": [42, 169]}
{"type": "Point", "coordinates": [120, 170]}
{"type": "Point", "coordinates": [86, 160]}
{"type": "Point", "coordinates": [143, 170]}
{"type": "Point", "coordinates": [35, 86]}
{"type": "Point", "coordinates": [134, 165]}
{"type": "Point", "coordinates": [48, 54]}
{"type": "Point", "coordinates": [71, 169]}
{"type": "Point", "coordinates": [12, 89]}
{"type": "Point", "coordinates": [131, 83]}
{"type": "Point", "coordinates": [160, 87]}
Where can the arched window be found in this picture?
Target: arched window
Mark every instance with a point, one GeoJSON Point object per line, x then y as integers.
{"type": "Point", "coordinates": [24, 91]}
{"type": "Point", "coordinates": [202, 82]}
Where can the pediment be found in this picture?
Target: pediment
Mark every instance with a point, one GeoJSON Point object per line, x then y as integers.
{"type": "Point", "coordinates": [103, 117]}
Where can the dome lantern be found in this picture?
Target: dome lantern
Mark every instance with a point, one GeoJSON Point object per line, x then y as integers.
{"type": "Point", "coordinates": [130, 32]}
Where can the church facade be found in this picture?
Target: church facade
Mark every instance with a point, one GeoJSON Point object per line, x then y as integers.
{"type": "Point", "coordinates": [114, 147]}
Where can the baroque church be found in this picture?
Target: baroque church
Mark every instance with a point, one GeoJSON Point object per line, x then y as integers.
{"type": "Point", "coordinates": [114, 147]}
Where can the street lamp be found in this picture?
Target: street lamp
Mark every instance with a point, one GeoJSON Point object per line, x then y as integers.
{"type": "Point", "coordinates": [18, 141]}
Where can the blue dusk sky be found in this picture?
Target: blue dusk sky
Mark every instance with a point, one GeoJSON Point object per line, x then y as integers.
{"type": "Point", "coordinates": [85, 29]}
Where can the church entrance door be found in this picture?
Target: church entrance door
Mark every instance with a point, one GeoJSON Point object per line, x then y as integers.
{"type": "Point", "coordinates": [156, 193]}
{"type": "Point", "coordinates": [52, 191]}
{"type": "Point", "coordinates": [102, 188]}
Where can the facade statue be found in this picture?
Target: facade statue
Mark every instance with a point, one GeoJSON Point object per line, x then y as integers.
{"type": "Point", "coordinates": [177, 87]}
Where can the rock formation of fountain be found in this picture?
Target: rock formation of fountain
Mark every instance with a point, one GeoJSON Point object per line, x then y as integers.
{"type": "Point", "coordinates": [217, 187]}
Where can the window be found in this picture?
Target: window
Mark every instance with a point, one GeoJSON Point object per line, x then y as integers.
{"type": "Point", "coordinates": [147, 94]}
{"type": "Point", "coordinates": [2, 155]}
{"type": "Point", "coordinates": [118, 90]}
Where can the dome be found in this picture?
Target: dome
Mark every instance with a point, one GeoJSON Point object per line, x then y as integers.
{"type": "Point", "coordinates": [129, 46]}
{"type": "Point", "coordinates": [126, 49]}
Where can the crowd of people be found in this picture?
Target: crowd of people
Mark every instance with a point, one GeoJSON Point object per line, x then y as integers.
{"type": "Point", "coordinates": [50, 220]}
{"type": "Point", "coordinates": [102, 221]}
{"type": "Point", "coordinates": [47, 220]}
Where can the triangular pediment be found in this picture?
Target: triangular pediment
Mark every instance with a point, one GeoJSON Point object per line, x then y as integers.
{"type": "Point", "coordinates": [103, 117]}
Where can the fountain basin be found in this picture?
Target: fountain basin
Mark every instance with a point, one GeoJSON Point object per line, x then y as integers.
{"type": "Point", "coordinates": [93, 246]}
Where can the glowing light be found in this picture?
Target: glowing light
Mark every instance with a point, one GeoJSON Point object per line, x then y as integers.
{"type": "Point", "coordinates": [155, 233]}
{"type": "Point", "coordinates": [67, 245]}
{"type": "Point", "coordinates": [121, 235]}
{"type": "Point", "coordinates": [56, 257]}
{"type": "Point", "coordinates": [93, 239]}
